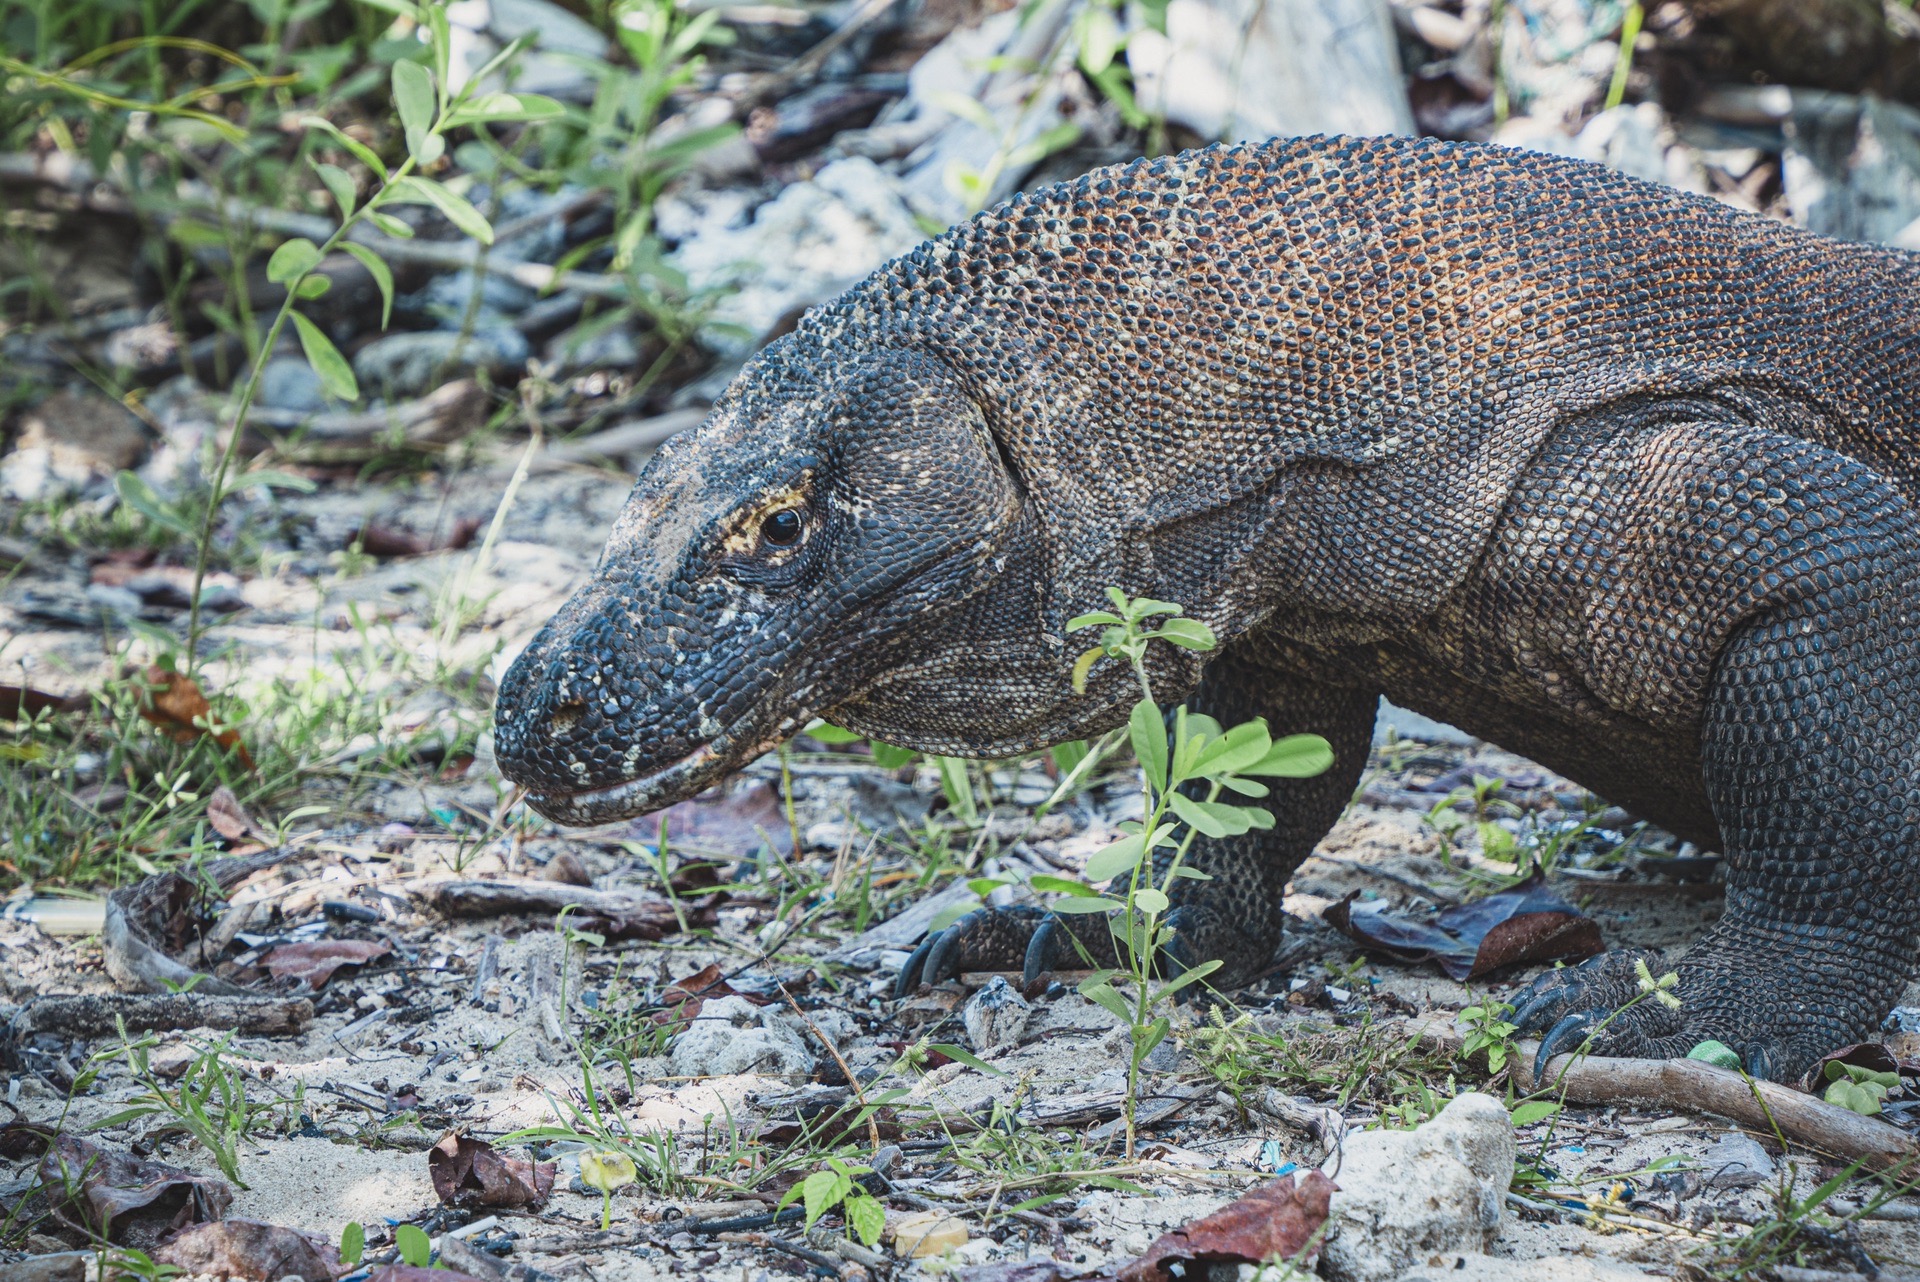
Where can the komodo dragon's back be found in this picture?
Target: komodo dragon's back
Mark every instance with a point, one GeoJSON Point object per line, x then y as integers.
{"type": "Point", "coordinates": [1616, 476]}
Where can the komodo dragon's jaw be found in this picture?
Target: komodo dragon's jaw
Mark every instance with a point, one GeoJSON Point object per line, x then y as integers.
{"type": "Point", "coordinates": [759, 567]}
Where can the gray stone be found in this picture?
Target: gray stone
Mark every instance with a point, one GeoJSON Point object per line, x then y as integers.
{"type": "Point", "coordinates": [1405, 724]}
{"type": "Point", "coordinates": [1852, 168]}
{"type": "Point", "coordinates": [413, 364]}
{"type": "Point", "coordinates": [289, 383]}
{"type": "Point", "coordinates": [70, 442]}
{"type": "Point", "coordinates": [995, 1016]}
{"type": "Point", "coordinates": [732, 1035]}
{"type": "Point", "coordinates": [606, 347]}
{"type": "Point", "coordinates": [1407, 1196]}
{"type": "Point", "coordinates": [1736, 1161]}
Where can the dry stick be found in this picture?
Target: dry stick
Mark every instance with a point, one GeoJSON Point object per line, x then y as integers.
{"type": "Point", "coordinates": [873, 1120]}
{"type": "Point", "coordinates": [1689, 1085]}
{"type": "Point", "coordinates": [96, 1015]}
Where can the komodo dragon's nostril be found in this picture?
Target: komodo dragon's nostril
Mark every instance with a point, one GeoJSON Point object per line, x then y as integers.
{"type": "Point", "coordinates": [565, 716]}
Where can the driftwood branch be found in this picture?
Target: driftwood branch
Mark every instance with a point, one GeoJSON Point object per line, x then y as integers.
{"type": "Point", "coordinates": [96, 1015]}
{"type": "Point", "coordinates": [502, 898]}
{"type": "Point", "coordinates": [1692, 1086]}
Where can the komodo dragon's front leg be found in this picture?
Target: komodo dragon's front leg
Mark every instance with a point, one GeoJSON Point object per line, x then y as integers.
{"type": "Point", "coordinates": [1236, 916]}
{"type": "Point", "coordinates": [1809, 742]}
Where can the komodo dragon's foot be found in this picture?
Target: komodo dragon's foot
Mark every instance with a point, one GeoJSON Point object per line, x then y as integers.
{"type": "Point", "coordinates": [1718, 1002]}
{"type": "Point", "coordinates": [1037, 941]}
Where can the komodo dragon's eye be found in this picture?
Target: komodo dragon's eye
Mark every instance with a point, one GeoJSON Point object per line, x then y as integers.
{"type": "Point", "coordinates": [783, 528]}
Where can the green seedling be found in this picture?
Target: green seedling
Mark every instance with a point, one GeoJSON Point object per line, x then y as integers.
{"type": "Point", "coordinates": [1860, 1090]}
{"type": "Point", "coordinates": [838, 1186]}
{"type": "Point", "coordinates": [607, 1172]}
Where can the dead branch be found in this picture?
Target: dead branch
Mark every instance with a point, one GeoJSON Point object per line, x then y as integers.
{"type": "Point", "coordinates": [97, 1014]}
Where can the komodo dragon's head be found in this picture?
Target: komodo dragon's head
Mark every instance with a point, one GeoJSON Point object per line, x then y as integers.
{"type": "Point", "coordinates": [840, 538]}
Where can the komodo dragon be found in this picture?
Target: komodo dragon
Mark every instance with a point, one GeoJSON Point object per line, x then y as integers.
{"type": "Point", "coordinates": [1615, 477]}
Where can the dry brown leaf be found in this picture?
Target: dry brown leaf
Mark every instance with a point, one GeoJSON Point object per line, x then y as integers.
{"type": "Point", "coordinates": [99, 1192]}
{"type": "Point", "coordinates": [1277, 1221]}
{"type": "Point", "coordinates": [230, 819]}
{"type": "Point", "coordinates": [315, 961]}
{"type": "Point", "coordinates": [250, 1249]}
{"type": "Point", "coordinates": [470, 1172]}
{"type": "Point", "coordinates": [176, 704]}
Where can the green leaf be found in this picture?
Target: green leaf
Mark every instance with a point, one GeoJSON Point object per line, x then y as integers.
{"type": "Point", "coordinates": [353, 1242]}
{"type": "Point", "coordinates": [961, 1055]}
{"type": "Point", "coordinates": [949, 915]}
{"type": "Point", "coordinates": [1188, 634]}
{"type": "Point", "coordinates": [825, 733]}
{"type": "Point", "coordinates": [971, 110]}
{"type": "Point", "coordinates": [1243, 746]}
{"type": "Point", "coordinates": [416, 1248]}
{"type": "Point", "coordinates": [1102, 994]}
{"type": "Point", "coordinates": [424, 191]}
{"type": "Point", "coordinates": [413, 99]}
{"type": "Point", "coordinates": [1089, 620]}
{"type": "Point", "coordinates": [820, 1191]}
{"type": "Point", "coordinates": [984, 886]}
{"type": "Point", "coordinates": [1245, 787]}
{"type": "Point", "coordinates": [357, 149]}
{"type": "Point", "coordinates": [292, 260]}
{"type": "Point", "coordinates": [392, 226]}
{"type": "Point", "coordinates": [1068, 755]}
{"type": "Point", "coordinates": [1150, 900]}
{"type": "Point", "coordinates": [1096, 904]}
{"type": "Point", "coordinates": [1037, 149]}
{"type": "Point", "coordinates": [1117, 859]}
{"type": "Point", "coordinates": [1534, 1110]}
{"type": "Point", "coordinates": [505, 108]}
{"type": "Point", "coordinates": [1196, 815]}
{"type": "Point", "coordinates": [311, 287]}
{"type": "Point", "coordinates": [1045, 882]}
{"type": "Point", "coordinates": [1191, 975]}
{"type": "Point", "coordinates": [867, 1218]}
{"type": "Point", "coordinates": [957, 787]}
{"type": "Point", "coordinates": [382, 276]}
{"type": "Point", "coordinates": [888, 757]}
{"type": "Point", "coordinates": [1298, 756]}
{"type": "Point", "coordinates": [336, 376]}
{"type": "Point", "coordinates": [1146, 607]}
{"type": "Point", "coordinates": [1147, 731]}
{"type": "Point", "coordinates": [1100, 40]}
{"type": "Point", "coordinates": [139, 496]}
{"type": "Point", "coordinates": [339, 184]}
{"type": "Point", "coordinates": [1083, 665]}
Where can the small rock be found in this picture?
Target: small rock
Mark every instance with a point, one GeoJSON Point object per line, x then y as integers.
{"type": "Point", "coordinates": [1736, 1161]}
{"type": "Point", "coordinates": [996, 1015]}
{"type": "Point", "coordinates": [412, 364]}
{"type": "Point", "coordinates": [1407, 1196]}
{"type": "Point", "coordinates": [732, 1035]}
{"type": "Point", "coordinates": [171, 1060]}
{"type": "Point", "coordinates": [920, 1234]}
{"type": "Point", "coordinates": [289, 383]}
{"type": "Point", "coordinates": [567, 869]}
{"type": "Point", "coordinates": [69, 442]}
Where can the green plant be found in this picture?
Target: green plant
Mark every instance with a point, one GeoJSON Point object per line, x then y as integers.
{"type": "Point", "coordinates": [1861, 1090]}
{"type": "Point", "coordinates": [210, 1103]}
{"type": "Point", "coordinates": [607, 1172]}
{"type": "Point", "coordinates": [353, 1243]}
{"type": "Point", "coordinates": [1489, 1030]}
{"type": "Point", "coordinates": [415, 1247]}
{"type": "Point", "coordinates": [838, 1186]}
{"type": "Point", "coordinates": [1202, 756]}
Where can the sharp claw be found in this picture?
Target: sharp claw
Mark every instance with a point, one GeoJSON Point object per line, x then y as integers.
{"type": "Point", "coordinates": [1042, 950]}
{"type": "Point", "coordinates": [916, 965]}
{"type": "Point", "coordinates": [1571, 1030]}
{"type": "Point", "coordinates": [1535, 1011]}
{"type": "Point", "coordinates": [1761, 1062]}
{"type": "Point", "coordinates": [943, 959]}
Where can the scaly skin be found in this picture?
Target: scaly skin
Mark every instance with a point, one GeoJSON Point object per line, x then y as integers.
{"type": "Point", "coordinates": [1615, 477]}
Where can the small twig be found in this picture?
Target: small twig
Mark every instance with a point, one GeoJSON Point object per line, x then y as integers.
{"type": "Point", "coordinates": [873, 1118]}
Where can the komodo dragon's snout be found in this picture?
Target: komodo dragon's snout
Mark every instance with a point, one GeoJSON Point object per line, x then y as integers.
{"type": "Point", "coordinates": [807, 522]}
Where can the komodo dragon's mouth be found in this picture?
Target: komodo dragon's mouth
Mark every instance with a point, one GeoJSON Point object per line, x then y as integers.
{"type": "Point", "coordinates": [643, 795]}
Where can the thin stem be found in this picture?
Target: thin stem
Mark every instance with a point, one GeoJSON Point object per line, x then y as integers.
{"type": "Point", "coordinates": [217, 489]}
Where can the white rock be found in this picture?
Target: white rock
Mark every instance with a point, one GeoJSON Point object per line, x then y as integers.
{"type": "Point", "coordinates": [555, 63]}
{"type": "Point", "coordinates": [807, 245]}
{"type": "Point", "coordinates": [732, 1035]}
{"type": "Point", "coordinates": [70, 442]}
{"type": "Point", "coordinates": [1406, 1196]}
{"type": "Point", "coordinates": [1252, 69]}
{"type": "Point", "coordinates": [1852, 168]}
{"type": "Point", "coordinates": [996, 1015]}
